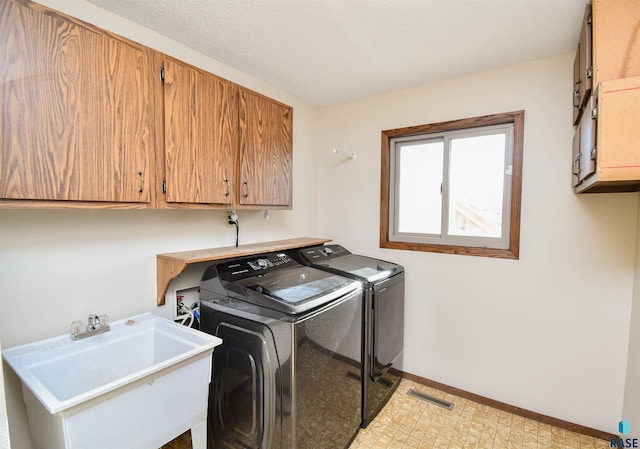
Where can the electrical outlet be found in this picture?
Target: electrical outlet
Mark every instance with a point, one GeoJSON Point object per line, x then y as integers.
{"type": "Point", "coordinates": [232, 219]}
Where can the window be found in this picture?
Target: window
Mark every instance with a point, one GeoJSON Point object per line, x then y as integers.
{"type": "Point", "coordinates": [454, 187]}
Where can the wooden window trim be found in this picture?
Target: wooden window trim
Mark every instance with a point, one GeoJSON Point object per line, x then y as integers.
{"type": "Point", "coordinates": [513, 252]}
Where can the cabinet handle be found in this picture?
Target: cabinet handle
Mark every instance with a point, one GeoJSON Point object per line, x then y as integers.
{"type": "Point", "coordinates": [576, 165]}
{"type": "Point", "coordinates": [226, 181]}
{"type": "Point", "coordinates": [246, 189]}
{"type": "Point", "coordinates": [576, 95]}
{"type": "Point", "coordinates": [141, 174]}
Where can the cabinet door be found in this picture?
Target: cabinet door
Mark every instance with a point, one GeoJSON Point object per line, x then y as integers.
{"type": "Point", "coordinates": [75, 116]}
{"type": "Point", "coordinates": [265, 151]}
{"type": "Point", "coordinates": [611, 150]}
{"type": "Point", "coordinates": [576, 86]}
{"type": "Point", "coordinates": [618, 137]}
{"type": "Point", "coordinates": [616, 39]}
{"type": "Point", "coordinates": [583, 67]}
{"type": "Point", "coordinates": [575, 159]}
{"type": "Point", "coordinates": [200, 135]}
{"type": "Point", "coordinates": [584, 142]}
{"type": "Point", "coordinates": [587, 131]}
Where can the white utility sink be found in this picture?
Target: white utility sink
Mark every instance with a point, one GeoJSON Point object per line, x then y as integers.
{"type": "Point", "coordinates": [139, 385]}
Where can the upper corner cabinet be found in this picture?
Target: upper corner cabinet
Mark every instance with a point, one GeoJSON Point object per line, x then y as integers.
{"type": "Point", "coordinates": [606, 99]}
{"type": "Point", "coordinates": [266, 151]}
{"type": "Point", "coordinates": [607, 139]}
{"type": "Point", "coordinates": [201, 116]}
{"type": "Point", "coordinates": [76, 122]}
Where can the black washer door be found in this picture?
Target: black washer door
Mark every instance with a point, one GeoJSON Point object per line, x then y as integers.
{"type": "Point", "coordinates": [293, 289]}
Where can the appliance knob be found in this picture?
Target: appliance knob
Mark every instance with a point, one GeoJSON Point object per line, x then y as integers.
{"type": "Point", "coordinates": [262, 263]}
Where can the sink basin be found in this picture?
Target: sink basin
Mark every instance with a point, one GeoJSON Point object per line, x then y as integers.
{"type": "Point", "coordinates": [139, 385]}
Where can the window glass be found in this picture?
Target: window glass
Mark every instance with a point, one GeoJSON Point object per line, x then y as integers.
{"type": "Point", "coordinates": [419, 197]}
{"type": "Point", "coordinates": [476, 185]}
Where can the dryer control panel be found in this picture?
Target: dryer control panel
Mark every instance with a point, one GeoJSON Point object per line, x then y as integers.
{"type": "Point", "coordinates": [326, 252]}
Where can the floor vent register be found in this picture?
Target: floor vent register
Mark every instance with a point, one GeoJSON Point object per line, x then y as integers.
{"type": "Point", "coordinates": [433, 400]}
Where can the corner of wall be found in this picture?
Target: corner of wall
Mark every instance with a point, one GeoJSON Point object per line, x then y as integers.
{"type": "Point", "coordinates": [4, 424]}
{"type": "Point", "coordinates": [631, 407]}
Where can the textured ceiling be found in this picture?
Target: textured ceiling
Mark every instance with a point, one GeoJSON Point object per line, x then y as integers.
{"type": "Point", "coordinates": [327, 51]}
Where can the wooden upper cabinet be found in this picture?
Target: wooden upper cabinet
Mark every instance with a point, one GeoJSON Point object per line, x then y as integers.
{"type": "Point", "coordinates": [616, 39]}
{"type": "Point", "coordinates": [86, 122]}
{"type": "Point", "coordinates": [76, 119]}
{"type": "Point", "coordinates": [611, 159]}
{"type": "Point", "coordinates": [201, 117]}
{"type": "Point", "coordinates": [266, 139]}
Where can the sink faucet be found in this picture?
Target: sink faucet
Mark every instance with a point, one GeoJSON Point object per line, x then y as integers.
{"type": "Point", "coordinates": [96, 324]}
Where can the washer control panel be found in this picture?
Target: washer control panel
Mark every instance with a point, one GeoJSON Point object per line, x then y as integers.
{"type": "Point", "coordinates": [263, 263]}
{"type": "Point", "coordinates": [253, 266]}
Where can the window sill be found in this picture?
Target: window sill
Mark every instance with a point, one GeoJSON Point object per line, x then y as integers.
{"type": "Point", "coordinates": [512, 253]}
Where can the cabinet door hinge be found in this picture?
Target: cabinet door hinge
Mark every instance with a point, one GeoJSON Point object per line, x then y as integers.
{"type": "Point", "coordinates": [162, 74]}
{"type": "Point", "coordinates": [164, 186]}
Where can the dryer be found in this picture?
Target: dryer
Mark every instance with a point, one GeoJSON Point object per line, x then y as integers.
{"type": "Point", "coordinates": [383, 318]}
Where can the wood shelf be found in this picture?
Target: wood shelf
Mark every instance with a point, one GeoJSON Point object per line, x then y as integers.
{"type": "Point", "coordinates": [170, 265]}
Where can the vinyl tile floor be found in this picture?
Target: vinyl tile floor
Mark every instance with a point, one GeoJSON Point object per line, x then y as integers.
{"type": "Point", "coordinates": [407, 422]}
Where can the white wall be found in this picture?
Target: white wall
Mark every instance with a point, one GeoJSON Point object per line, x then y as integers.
{"type": "Point", "coordinates": [548, 332]}
{"type": "Point", "coordinates": [631, 411]}
{"type": "Point", "coordinates": [57, 266]}
{"type": "Point", "coordinates": [4, 424]}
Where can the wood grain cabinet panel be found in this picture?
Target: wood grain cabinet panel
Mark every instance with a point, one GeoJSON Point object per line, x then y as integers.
{"type": "Point", "coordinates": [201, 116]}
{"type": "Point", "coordinates": [265, 151]}
{"type": "Point", "coordinates": [615, 158]}
{"type": "Point", "coordinates": [616, 39]}
{"type": "Point", "coordinates": [76, 122]}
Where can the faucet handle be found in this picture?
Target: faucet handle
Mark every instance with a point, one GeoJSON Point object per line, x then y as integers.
{"type": "Point", "coordinates": [76, 327]}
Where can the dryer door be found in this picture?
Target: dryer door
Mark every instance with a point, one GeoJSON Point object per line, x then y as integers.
{"type": "Point", "coordinates": [244, 398]}
{"type": "Point", "coordinates": [387, 326]}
